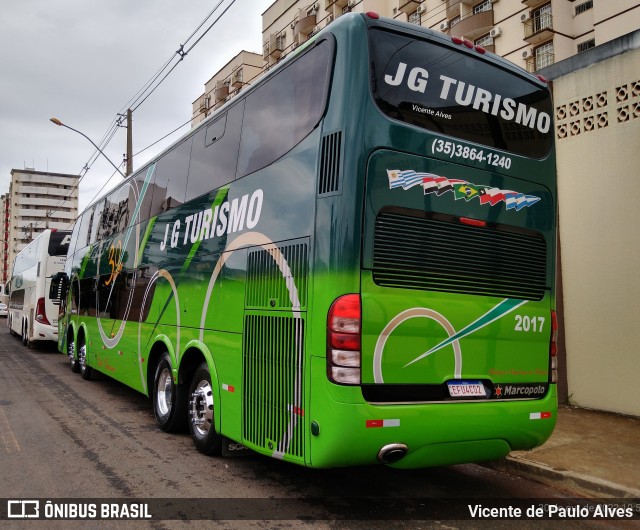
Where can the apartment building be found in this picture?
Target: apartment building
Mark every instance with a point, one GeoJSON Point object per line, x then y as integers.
{"type": "Point", "coordinates": [37, 200]}
{"type": "Point", "coordinates": [530, 33]}
{"type": "Point", "coordinates": [4, 237]}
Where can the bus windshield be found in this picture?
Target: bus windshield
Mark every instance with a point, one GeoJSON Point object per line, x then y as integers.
{"type": "Point", "coordinates": [59, 243]}
{"type": "Point", "coordinates": [452, 93]}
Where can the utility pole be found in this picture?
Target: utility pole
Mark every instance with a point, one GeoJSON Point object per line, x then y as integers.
{"type": "Point", "coordinates": [129, 143]}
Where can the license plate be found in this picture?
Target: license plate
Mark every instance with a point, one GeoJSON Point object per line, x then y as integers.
{"type": "Point", "coordinates": [466, 389]}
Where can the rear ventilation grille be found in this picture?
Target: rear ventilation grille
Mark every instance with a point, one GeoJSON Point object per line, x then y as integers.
{"type": "Point", "coordinates": [441, 255]}
{"type": "Point", "coordinates": [273, 384]}
{"type": "Point", "coordinates": [330, 163]}
{"type": "Point", "coordinates": [276, 275]}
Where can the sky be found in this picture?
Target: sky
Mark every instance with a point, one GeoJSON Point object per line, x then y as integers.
{"type": "Point", "coordinates": [83, 61]}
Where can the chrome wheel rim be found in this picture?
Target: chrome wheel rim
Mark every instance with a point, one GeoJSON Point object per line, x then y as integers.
{"type": "Point", "coordinates": [164, 392]}
{"type": "Point", "coordinates": [71, 353]}
{"type": "Point", "coordinates": [82, 354]}
{"type": "Point", "coordinates": [201, 408]}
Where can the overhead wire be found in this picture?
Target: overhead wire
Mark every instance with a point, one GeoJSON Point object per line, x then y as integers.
{"type": "Point", "coordinates": [148, 87]}
{"type": "Point", "coordinates": [137, 101]}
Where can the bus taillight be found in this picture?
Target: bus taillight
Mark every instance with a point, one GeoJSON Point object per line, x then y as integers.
{"type": "Point", "coordinates": [553, 347]}
{"type": "Point", "coordinates": [343, 340]}
{"type": "Point", "coordinates": [41, 315]}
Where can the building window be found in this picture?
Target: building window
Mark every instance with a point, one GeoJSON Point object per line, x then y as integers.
{"type": "Point", "coordinates": [482, 6]}
{"type": "Point", "coordinates": [485, 40]}
{"type": "Point", "coordinates": [414, 18]}
{"type": "Point", "coordinates": [541, 18]}
{"type": "Point", "coordinates": [586, 45]}
{"type": "Point", "coordinates": [584, 6]}
{"type": "Point", "coordinates": [544, 55]}
{"type": "Point", "coordinates": [454, 21]}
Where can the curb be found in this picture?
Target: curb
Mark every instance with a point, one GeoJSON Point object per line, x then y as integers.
{"type": "Point", "coordinates": [569, 481]}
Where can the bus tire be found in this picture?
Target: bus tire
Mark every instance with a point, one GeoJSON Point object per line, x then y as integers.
{"type": "Point", "coordinates": [169, 399]}
{"type": "Point", "coordinates": [25, 334]}
{"type": "Point", "coordinates": [86, 372]}
{"type": "Point", "coordinates": [71, 353]}
{"type": "Point", "coordinates": [201, 413]}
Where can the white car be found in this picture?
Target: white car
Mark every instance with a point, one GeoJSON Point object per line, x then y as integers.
{"type": "Point", "coordinates": [3, 310]}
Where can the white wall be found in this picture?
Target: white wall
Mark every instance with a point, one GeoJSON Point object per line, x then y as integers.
{"type": "Point", "coordinates": [599, 201]}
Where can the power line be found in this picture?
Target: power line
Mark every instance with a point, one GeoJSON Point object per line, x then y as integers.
{"type": "Point", "coordinates": [182, 53]}
{"type": "Point", "coordinates": [148, 88]}
{"type": "Point", "coordinates": [165, 136]}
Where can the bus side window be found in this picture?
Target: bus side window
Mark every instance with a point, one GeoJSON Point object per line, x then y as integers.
{"type": "Point", "coordinates": [97, 218]}
{"type": "Point", "coordinates": [116, 212]}
{"type": "Point", "coordinates": [280, 113]}
{"type": "Point", "coordinates": [140, 179]}
{"type": "Point", "coordinates": [214, 155]}
{"type": "Point", "coordinates": [170, 176]}
{"type": "Point", "coordinates": [74, 238]}
{"type": "Point", "coordinates": [84, 228]}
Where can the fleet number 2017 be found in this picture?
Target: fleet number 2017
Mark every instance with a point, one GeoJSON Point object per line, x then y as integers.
{"type": "Point", "coordinates": [527, 323]}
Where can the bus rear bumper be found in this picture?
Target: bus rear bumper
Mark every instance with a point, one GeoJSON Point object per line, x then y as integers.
{"type": "Point", "coordinates": [44, 332]}
{"type": "Point", "coordinates": [434, 434]}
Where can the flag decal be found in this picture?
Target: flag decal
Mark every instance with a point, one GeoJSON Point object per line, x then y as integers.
{"type": "Point", "coordinates": [461, 189]}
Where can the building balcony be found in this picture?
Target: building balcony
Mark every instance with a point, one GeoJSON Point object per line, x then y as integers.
{"type": "Point", "coordinates": [534, 3]}
{"type": "Point", "coordinates": [276, 46]}
{"type": "Point", "coordinates": [221, 91]}
{"type": "Point", "coordinates": [538, 29]}
{"type": "Point", "coordinates": [473, 26]}
{"type": "Point", "coordinates": [305, 24]}
{"type": "Point", "coordinates": [539, 61]}
{"type": "Point", "coordinates": [407, 6]}
{"type": "Point", "coordinates": [237, 78]}
{"type": "Point", "coordinates": [337, 3]}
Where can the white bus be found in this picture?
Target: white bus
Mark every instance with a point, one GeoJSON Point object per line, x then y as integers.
{"type": "Point", "coordinates": [32, 315]}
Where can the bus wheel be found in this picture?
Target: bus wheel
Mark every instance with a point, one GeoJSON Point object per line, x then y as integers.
{"type": "Point", "coordinates": [25, 334]}
{"type": "Point", "coordinates": [168, 398]}
{"type": "Point", "coordinates": [71, 352]}
{"type": "Point", "coordinates": [85, 371]}
{"type": "Point", "coordinates": [201, 411]}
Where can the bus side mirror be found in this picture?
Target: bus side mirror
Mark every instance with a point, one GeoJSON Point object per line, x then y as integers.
{"type": "Point", "coordinates": [58, 288]}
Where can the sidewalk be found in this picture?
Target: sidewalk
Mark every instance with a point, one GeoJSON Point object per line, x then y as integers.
{"type": "Point", "coordinates": [590, 453]}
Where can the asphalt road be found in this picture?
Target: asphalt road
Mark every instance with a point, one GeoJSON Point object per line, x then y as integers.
{"type": "Point", "coordinates": [62, 437]}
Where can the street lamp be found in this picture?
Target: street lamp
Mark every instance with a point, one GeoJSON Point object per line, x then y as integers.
{"type": "Point", "coordinates": [58, 122]}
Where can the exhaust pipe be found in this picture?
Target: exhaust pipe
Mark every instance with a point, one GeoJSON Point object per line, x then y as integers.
{"type": "Point", "coordinates": [392, 453]}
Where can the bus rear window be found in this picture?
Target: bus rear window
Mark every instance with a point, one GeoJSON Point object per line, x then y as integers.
{"type": "Point", "coordinates": [464, 96]}
{"type": "Point", "coordinates": [59, 243]}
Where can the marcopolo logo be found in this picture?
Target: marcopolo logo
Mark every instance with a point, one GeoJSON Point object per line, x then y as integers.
{"type": "Point", "coordinates": [515, 391]}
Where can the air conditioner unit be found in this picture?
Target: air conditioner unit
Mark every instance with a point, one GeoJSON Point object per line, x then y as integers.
{"type": "Point", "coordinates": [495, 32]}
{"type": "Point", "coordinates": [329, 19]}
{"type": "Point", "coordinates": [352, 3]}
{"type": "Point", "coordinates": [292, 25]}
{"type": "Point", "coordinates": [525, 16]}
{"type": "Point", "coordinates": [444, 25]}
{"type": "Point", "coordinates": [421, 9]}
{"type": "Point", "coordinates": [526, 54]}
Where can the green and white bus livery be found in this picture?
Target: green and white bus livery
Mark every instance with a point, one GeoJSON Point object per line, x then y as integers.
{"type": "Point", "coordinates": [351, 262]}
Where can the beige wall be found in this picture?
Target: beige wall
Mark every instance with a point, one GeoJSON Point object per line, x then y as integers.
{"type": "Point", "coordinates": [598, 129]}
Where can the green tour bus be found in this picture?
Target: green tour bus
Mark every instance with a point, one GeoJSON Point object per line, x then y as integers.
{"type": "Point", "coordinates": [351, 262]}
